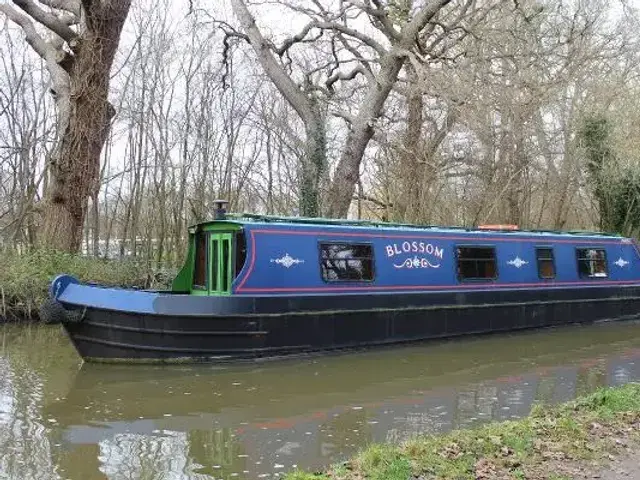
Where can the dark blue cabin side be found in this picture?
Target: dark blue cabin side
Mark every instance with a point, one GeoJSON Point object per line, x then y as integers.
{"type": "Point", "coordinates": [286, 259]}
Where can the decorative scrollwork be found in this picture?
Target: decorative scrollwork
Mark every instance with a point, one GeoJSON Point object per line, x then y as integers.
{"type": "Point", "coordinates": [621, 262]}
{"type": "Point", "coordinates": [517, 262]}
{"type": "Point", "coordinates": [287, 261]}
{"type": "Point", "coordinates": [416, 262]}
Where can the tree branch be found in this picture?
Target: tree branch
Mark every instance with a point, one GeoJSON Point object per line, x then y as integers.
{"type": "Point", "coordinates": [375, 201]}
{"type": "Point", "coordinates": [276, 73]}
{"type": "Point", "coordinates": [424, 15]}
{"type": "Point", "coordinates": [31, 35]}
{"type": "Point", "coordinates": [367, 40]}
{"type": "Point", "coordinates": [69, 18]}
{"type": "Point", "coordinates": [347, 117]}
{"type": "Point", "coordinates": [326, 25]}
{"type": "Point", "coordinates": [380, 15]}
{"type": "Point", "coordinates": [289, 42]}
{"type": "Point", "coordinates": [71, 6]}
{"type": "Point", "coordinates": [344, 76]}
{"type": "Point", "coordinates": [457, 23]}
{"type": "Point", "coordinates": [47, 19]}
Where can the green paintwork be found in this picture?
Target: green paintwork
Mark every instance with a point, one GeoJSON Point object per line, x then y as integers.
{"type": "Point", "coordinates": [219, 225]}
{"type": "Point", "coordinates": [220, 272]}
{"type": "Point", "coordinates": [183, 281]}
{"type": "Point", "coordinates": [200, 293]}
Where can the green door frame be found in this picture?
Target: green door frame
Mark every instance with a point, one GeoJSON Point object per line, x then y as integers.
{"type": "Point", "coordinates": [220, 263]}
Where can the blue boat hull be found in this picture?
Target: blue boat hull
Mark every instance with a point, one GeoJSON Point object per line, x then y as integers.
{"type": "Point", "coordinates": [173, 328]}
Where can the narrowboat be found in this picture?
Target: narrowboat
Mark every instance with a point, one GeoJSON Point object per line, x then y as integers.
{"type": "Point", "coordinates": [256, 286]}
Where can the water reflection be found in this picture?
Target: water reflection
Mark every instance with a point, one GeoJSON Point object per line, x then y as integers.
{"type": "Point", "coordinates": [25, 432]}
{"type": "Point", "coordinates": [257, 421]}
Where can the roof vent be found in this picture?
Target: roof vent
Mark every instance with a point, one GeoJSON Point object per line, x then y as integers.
{"type": "Point", "coordinates": [220, 209]}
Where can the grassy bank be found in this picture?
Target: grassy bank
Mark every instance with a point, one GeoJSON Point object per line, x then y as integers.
{"type": "Point", "coordinates": [25, 278]}
{"type": "Point", "coordinates": [553, 443]}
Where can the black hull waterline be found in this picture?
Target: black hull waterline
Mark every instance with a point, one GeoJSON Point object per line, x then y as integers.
{"type": "Point", "coordinates": [259, 327]}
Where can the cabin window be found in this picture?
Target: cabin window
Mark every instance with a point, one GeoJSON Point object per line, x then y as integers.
{"type": "Point", "coordinates": [592, 262]}
{"type": "Point", "coordinates": [200, 264]}
{"type": "Point", "coordinates": [241, 252]}
{"type": "Point", "coordinates": [546, 263]}
{"type": "Point", "coordinates": [346, 262]}
{"type": "Point", "coordinates": [476, 263]}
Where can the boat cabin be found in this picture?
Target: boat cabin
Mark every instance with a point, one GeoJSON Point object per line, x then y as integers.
{"type": "Point", "coordinates": [266, 255]}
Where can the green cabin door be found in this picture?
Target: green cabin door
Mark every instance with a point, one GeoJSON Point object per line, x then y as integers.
{"type": "Point", "coordinates": [221, 268]}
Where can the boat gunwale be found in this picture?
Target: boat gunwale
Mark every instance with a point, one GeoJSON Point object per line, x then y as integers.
{"type": "Point", "coordinates": [431, 307]}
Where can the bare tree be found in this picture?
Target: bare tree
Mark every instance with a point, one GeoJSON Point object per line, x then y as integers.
{"type": "Point", "coordinates": [375, 49]}
{"type": "Point", "coordinates": [78, 47]}
{"type": "Point", "coordinates": [25, 132]}
{"type": "Point", "coordinates": [479, 124]}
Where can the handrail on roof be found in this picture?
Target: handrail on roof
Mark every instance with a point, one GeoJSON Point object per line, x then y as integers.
{"type": "Point", "coordinates": [333, 221]}
{"type": "Point", "coordinates": [380, 224]}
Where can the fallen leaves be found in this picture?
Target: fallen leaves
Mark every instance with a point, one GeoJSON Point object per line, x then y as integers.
{"type": "Point", "coordinates": [484, 469]}
{"type": "Point", "coordinates": [451, 451]}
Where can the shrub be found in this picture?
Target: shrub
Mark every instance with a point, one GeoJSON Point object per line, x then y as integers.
{"type": "Point", "coordinates": [25, 278]}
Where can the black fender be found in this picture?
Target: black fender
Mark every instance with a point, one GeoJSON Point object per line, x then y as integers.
{"type": "Point", "coordinates": [52, 311]}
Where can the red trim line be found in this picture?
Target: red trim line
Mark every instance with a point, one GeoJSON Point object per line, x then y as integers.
{"type": "Point", "coordinates": [576, 240]}
{"type": "Point", "coordinates": [433, 287]}
{"type": "Point", "coordinates": [240, 288]}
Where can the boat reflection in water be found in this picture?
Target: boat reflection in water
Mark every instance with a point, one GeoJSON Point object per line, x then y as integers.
{"type": "Point", "coordinates": [256, 421]}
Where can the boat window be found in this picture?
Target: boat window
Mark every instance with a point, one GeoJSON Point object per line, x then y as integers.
{"type": "Point", "coordinates": [200, 264]}
{"type": "Point", "coordinates": [476, 263]}
{"type": "Point", "coordinates": [592, 262]}
{"type": "Point", "coordinates": [546, 264]}
{"type": "Point", "coordinates": [241, 252]}
{"type": "Point", "coordinates": [346, 262]}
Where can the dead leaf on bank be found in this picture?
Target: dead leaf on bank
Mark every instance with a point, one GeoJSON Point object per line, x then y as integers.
{"type": "Point", "coordinates": [451, 451]}
{"type": "Point", "coordinates": [595, 426]}
{"type": "Point", "coordinates": [506, 451]}
{"type": "Point", "coordinates": [484, 469]}
{"type": "Point", "coordinates": [548, 455]}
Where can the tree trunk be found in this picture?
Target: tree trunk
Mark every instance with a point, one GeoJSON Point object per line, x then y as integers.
{"type": "Point", "coordinates": [313, 166]}
{"type": "Point", "coordinates": [348, 170]}
{"type": "Point", "coordinates": [84, 118]}
{"type": "Point", "coordinates": [409, 171]}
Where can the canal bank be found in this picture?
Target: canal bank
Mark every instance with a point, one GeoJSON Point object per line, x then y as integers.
{"type": "Point", "coordinates": [25, 278]}
{"type": "Point", "coordinates": [595, 436]}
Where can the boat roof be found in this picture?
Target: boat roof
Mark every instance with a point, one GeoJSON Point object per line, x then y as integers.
{"type": "Point", "coordinates": [271, 220]}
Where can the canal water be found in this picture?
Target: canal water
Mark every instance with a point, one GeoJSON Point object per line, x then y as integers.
{"type": "Point", "coordinates": [63, 419]}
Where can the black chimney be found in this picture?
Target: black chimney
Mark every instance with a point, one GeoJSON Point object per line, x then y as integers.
{"type": "Point", "coordinates": [220, 209]}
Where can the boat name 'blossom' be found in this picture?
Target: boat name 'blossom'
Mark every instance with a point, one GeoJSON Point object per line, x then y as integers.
{"type": "Point", "coordinates": [414, 247]}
